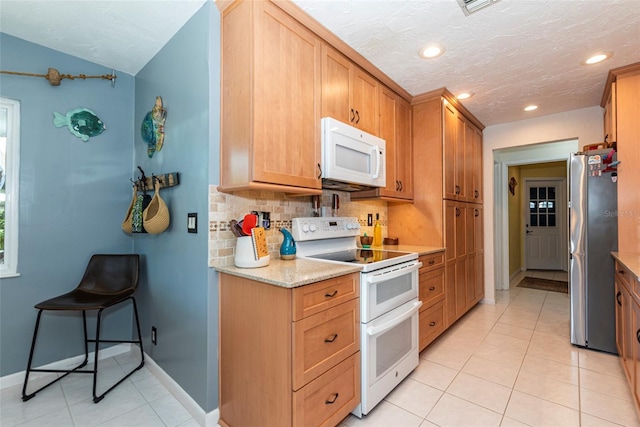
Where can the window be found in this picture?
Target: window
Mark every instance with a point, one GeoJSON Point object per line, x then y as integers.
{"type": "Point", "coordinates": [9, 181]}
{"type": "Point", "coordinates": [542, 206]}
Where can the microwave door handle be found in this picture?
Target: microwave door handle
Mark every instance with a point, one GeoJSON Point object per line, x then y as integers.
{"type": "Point", "coordinates": [385, 326]}
{"type": "Point", "coordinates": [383, 277]}
{"type": "Point", "coordinates": [378, 163]}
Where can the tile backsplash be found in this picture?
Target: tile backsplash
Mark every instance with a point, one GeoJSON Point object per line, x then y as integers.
{"type": "Point", "coordinates": [223, 207]}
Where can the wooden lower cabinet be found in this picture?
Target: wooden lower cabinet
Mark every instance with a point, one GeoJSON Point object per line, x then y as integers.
{"type": "Point", "coordinates": [288, 357]}
{"type": "Point", "coordinates": [431, 320]}
{"type": "Point", "coordinates": [628, 328]}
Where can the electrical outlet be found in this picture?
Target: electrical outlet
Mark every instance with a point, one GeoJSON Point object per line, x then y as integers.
{"type": "Point", "coordinates": [369, 220]}
{"type": "Point", "coordinates": [154, 335]}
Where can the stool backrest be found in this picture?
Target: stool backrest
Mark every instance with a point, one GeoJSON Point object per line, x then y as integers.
{"type": "Point", "coordinates": [109, 274]}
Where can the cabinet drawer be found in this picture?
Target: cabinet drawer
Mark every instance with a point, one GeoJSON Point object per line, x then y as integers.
{"type": "Point", "coordinates": [329, 398]}
{"type": "Point", "coordinates": [431, 287]}
{"type": "Point", "coordinates": [431, 324]}
{"type": "Point", "coordinates": [431, 261]}
{"type": "Point", "coordinates": [312, 299]}
{"type": "Point", "coordinates": [324, 339]}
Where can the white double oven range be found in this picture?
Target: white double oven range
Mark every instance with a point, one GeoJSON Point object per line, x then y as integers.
{"type": "Point", "coordinates": [389, 301]}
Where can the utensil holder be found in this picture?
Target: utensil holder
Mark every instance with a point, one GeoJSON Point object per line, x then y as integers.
{"type": "Point", "coordinates": [245, 258]}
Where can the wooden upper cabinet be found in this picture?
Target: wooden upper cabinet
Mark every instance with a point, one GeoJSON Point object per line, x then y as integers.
{"type": "Point", "coordinates": [270, 101]}
{"type": "Point", "coordinates": [610, 116]}
{"type": "Point", "coordinates": [462, 142]}
{"type": "Point", "coordinates": [395, 129]}
{"type": "Point", "coordinates": [404, 149]}
{"type": "Point", "coordinates": [349, 94]}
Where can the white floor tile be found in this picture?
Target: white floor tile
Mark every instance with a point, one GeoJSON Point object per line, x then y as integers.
{"type": "Point", "coordinates": [385, 414]}
{"type": "Point", "coordinates": [171, 412]}
{"type": "Point", "coordinates": [481, 392]}
{"type": "Point", "coordinates": [415, 397]}
{"type": "Point", "coordinates": [433, 374]}
{"type": "Point", "coordinates": [539, 412]}
{"type": "Point", "coordinates": [455, 412]}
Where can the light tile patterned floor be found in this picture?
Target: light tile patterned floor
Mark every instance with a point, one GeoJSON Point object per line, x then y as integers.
{"type": "Point", "coordinates": [505, 365]}
{"type": "Point", "coordinates": [140, 401]}
{"type": "Point", "coordinates": [510, 365]}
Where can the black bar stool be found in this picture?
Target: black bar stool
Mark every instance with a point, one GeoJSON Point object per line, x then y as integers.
{"type": "Point", "coordinates": [107, 281]}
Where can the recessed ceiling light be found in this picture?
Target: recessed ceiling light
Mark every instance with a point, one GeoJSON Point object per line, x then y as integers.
{"type": "Point", "coordinates": [530, 107]}
{"type": "Point", "coordinates": [464, 95]}
{"type": "Point", "coordinates": [432, 51]}
{"type": "Point", "coordinates": [596, 58]}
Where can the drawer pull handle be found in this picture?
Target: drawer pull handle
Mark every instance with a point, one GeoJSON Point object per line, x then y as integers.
{"type": "Point", "coordinates": [477, 194]}
{"type": "Point", "coordinates": [621, 271]}
{"type": "Point", "coordinates": [433, 261]}
{"type": "Point", "coordinates": [332, 399]}
{"type": "Point", "coordinates": [433, 288]}
{"type": "Point", "coordinates": [432, 323]}
{"type": "Point", "coordinates": [332, 339]}
{"type": "Point", "coordinates": [331, 295]}
{"type": "Point", "coordinates": [618, 295]}
{"type": "Point", "coordinates": [638, 335]}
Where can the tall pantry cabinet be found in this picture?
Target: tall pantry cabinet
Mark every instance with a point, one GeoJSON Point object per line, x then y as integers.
{"type": "Point", "coordinates": [621, 100]}
{"type": "Point", "coordinates": [447, 193]}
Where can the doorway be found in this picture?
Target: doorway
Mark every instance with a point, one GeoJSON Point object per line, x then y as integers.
{"type": "Point", "coordinates": [521, 156]}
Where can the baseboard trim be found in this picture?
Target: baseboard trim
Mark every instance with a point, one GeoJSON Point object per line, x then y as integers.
{"type": "Point", "coordinates": [488, 301]}
{"type": "Point", "coordinates": [206, 419]}
{"type": "Point", "coordinates": [18, 377]}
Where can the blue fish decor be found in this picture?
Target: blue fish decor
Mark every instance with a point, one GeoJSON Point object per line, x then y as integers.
{"type": "Point", "coordinates": [81, 122]}
{"type": "Point", "coordinates": [152, 128]}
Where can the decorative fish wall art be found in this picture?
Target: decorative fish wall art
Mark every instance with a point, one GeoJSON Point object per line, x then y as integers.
{"type": "Point", "coordinates": [152, 128]}
{"type": "Point", "coordinates": [81, 122]}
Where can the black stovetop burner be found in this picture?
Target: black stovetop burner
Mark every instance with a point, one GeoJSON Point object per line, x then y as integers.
{"type": "Point", "coordinates": [360, 256]}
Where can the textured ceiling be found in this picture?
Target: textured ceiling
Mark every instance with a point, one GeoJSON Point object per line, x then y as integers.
{"type": "Point", "coordinates": [119, 34]}
{"type": "Point", "coordinates": [510, 54]}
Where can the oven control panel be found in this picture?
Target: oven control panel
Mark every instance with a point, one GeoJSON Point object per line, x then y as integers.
{"type": "Point", "coordinates": [328, 227]}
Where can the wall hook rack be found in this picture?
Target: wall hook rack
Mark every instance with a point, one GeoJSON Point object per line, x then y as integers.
{"type": "Point", "coordinates": [54, 77]}
{"type": "Point", "coordinates": [146, 183]}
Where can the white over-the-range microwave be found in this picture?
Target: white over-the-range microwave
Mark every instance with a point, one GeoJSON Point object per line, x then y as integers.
{"type": "Point", "coordinates": [352, 160]}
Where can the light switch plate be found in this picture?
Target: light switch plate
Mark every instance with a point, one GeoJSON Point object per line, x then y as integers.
{"type": "Point", "coordinates": [192, 222]}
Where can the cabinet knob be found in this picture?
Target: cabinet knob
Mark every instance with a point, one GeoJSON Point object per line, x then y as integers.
{"type": "Point", "coordinates": [476, 194]}
{"type": "Point", "coordinates": [331, 339]}
{"type": "Point", "coordinates": [477, 213]}
{"type": "Point", "coordinates": [618, 295]}
{"type": "Point", "coordinates": [332, 399]}
{"type": "Point", "coordinates": [332, 294]}
{"type": "Point", "coordinates": [432, 323]}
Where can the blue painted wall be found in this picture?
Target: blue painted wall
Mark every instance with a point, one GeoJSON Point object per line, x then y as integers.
{"type": "Point", "coordinates": [73, 197]}
{"type": "Point", "coordinates": [176, 296]}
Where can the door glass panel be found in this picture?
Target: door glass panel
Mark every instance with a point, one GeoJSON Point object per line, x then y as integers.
{"type": "Point", "coordinates": [542, 207]}
{"type": "Point", "coordinates": [392, 346]}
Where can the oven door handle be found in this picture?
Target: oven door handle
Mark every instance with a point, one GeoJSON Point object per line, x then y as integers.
{"type": "Point", "coordinates": [384, 327]}
{"type": "Point", "coordinates": [392, 273]}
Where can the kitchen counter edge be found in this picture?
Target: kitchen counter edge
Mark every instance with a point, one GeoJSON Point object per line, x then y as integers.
{"type": "Point", "coordinates": [630, 260]}
{"type": "Point", "coordinates": [420, 250]}
{"type": "Point", "coordinates": [290, 273]}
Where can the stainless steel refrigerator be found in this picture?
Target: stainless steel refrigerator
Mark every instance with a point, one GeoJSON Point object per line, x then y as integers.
{"type": "Point", "coordinates": [593, 233]}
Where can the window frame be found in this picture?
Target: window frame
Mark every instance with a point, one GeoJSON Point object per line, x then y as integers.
{"type": "Point", "coordinates": [12, 184]}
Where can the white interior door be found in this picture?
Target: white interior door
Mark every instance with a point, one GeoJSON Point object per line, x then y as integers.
{"type": "Point", "coordinates": [543, 219]}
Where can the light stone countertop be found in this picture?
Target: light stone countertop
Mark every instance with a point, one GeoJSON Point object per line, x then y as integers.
{"type": "Point", "coordinates": [292, 273]}
{"type": "Point", "coordinates": [629, 260]}
{"type": "Point", "coordinates": [420, 250]}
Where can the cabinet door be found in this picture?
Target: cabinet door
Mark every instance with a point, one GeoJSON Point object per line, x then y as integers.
{"type": "Point", "coordinates": [477, 166]}
{"type": "Point", "coordinates": [479, 276]}
{"type": "Point", "coordinates": [449, 144]}
{"type": "Point", "coordinates": [478, 232]}
{"type": "Point", "coordinates": [469, 163]}
{"type": "Point", "coordinates": [460, 213]}
{"type": "Point", "coordinates": [461, 153]}
{"type": "Point", "coordinates": [610, 116]}
{"type": "Point", "coordinates": [388, 118]}
{"type": "Point", "coordinates": [336, 78]}
{"type": "Point", "coordinates": [450, 293]}
{"type": "Point", "coordinates": [404, 149]}
{"type": "Point", "coordinates": [634, 354]}
{"type": "Point", "coordinates": [364, 101]}
{"type": "Point", "coordinates": [450, 231]}
{"type": "Point", "coordinates": [286, 120]}
{"type": "Point", "coordinates": [620, 323]}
